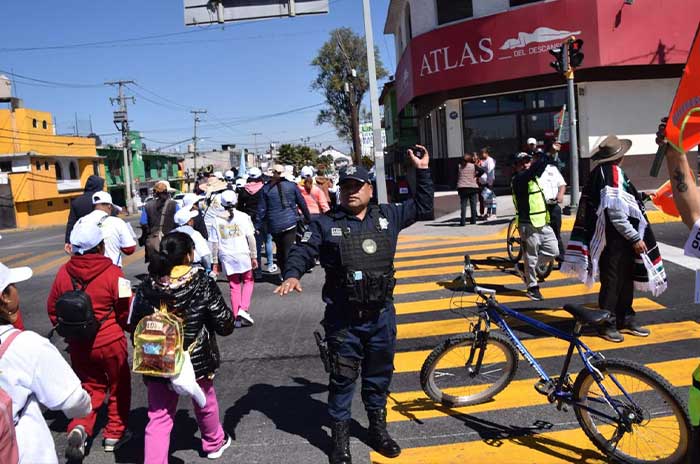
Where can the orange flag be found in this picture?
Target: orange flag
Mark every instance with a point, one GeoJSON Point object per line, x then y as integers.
{"type": "Point", "coordinates": [683, 126]}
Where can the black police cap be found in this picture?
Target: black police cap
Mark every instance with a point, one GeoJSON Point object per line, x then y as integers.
{"type": "Point", "coordinates": [358, 173]}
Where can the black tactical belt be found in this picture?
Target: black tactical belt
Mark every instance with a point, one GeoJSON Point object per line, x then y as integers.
{"type": "Point", "coordinates": [367, 314]}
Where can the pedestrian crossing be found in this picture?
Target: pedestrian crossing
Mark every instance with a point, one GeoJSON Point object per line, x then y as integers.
{"type": "Point", "coordinates": [431, 307]}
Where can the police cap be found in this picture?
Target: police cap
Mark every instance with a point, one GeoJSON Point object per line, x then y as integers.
{"type": "Point", "coordinates": [358, 173]}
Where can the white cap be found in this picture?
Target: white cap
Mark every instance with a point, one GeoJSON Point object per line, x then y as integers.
{"type": "Point", "coordinates": [307, 171]}
{"type": "Point", "coordinates": [532, 141]}
{"type": "Point", "coordinates": [254, 173]}
{"type": "Point", "coordinates": [190, 199]}
{"type": "Point", "coordinates": [183, 215]}
{"type": "Point", "coordinates": [240, 182]}
{"type": "Point", "coordinates": [218, 174]}
{"type": "Point", "coordinates": [13, 275]}
{"type": "Point", "coordinates": [85, 236]}
{"type": "Point", "coordinates": [228, 198]}
{"type": "Point", "coordinates": [228, 174]}
{"type": "Point", "coordinates": [104, 198]}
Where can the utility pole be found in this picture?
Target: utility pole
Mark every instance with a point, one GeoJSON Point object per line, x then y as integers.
{"type": "Point", "coordinates": [573, 122]}
{"type": "Point", "coordinates": [196, 114]}
{"type": "Point", "coordinates": [255, 142]}
{"type": "Point", "coordinates": [121, 117]}
{"type": "Point", "coordinates": [374, 102]}
{"type": "Point", "coordinates": [353, 104]}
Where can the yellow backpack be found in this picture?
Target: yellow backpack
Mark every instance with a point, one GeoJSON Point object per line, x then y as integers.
{"type": "Point", "coordinates": [158, 344]}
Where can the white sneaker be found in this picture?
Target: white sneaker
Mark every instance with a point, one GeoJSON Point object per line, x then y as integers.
{"type": "Point", "coordinates": [272, 268]}
{"type": "Point", "coordinates": [218, 453]}
{"type": "Point", "coordinates": [77, 439]}
{"type": "Point", "coordinates": [245, 316]}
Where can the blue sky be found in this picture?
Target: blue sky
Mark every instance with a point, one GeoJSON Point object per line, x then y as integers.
{"type": "Point", "coordinates": [240, 71]}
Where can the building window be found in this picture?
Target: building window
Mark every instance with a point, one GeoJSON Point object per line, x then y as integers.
{"type": "Point", "coordinates": [428, 133]}
{"type": "Point", "coordinates": [73, 170]}
{"type": "Point", "coordinates": [59, 170]}
{"type": "Point", "coordinates": [46, 165]}
{"type": "Point", "coordinates": [442, 151]}
{"type": "Point", "coordinates": [5, 166]}
{"type": "Point", "coordinates": [38, 165]}
{"type": "Point", "coordinates": [34, 123]}
{"type": "Point", "coordinates": [522, 2]}
{"type": "Point", "coordinates": [96, 168]}
{"type": "Point", "coordinates": [409, 27]}
{"type": "Point", "coordinates": [453, 10]}
{"type": "Point", "coordinates": [43, 124]}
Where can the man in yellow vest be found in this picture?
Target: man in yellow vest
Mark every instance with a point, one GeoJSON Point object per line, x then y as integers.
{"type": "Point", "coordinates": [687, 198]}
{"type": "Point", "coordinates": [537, 238]}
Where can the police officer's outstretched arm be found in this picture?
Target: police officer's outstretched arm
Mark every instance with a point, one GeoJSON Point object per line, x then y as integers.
{"type": "Point", "coordinates": [302, 257]}
{"type": "Point", "coordinates": [421, 206]}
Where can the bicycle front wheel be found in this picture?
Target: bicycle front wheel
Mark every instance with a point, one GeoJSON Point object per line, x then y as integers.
{"type": "Point", "coordinates": [450, 377]}
{"type": "Point", "coordinates": [513, 245]}
{"type": "Point", "coordinates": [645, 420]}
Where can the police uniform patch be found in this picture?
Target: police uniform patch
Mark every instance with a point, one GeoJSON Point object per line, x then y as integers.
{"type": "Point", "coordinates": [369, 246]}
{"type": "Point", "coordinates": [306, 237]}
{"type": "Point", "coordinates": [336, 232]}
{"type": "Point", "coordinates": [383, 223]}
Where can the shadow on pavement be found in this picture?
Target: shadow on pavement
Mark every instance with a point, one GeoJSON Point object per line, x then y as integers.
{"type": "Point", "coordinates": [292, 409]}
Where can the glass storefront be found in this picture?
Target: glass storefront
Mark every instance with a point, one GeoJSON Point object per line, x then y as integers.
{"type": "Point", "coordinates": [505, 122]}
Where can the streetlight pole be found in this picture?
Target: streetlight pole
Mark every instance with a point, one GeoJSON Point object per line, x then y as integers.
{"type": "Point", "coordinates": [573, 123]}
{"type": "Point", "coordinates": [196, 114]}
{"type": "Point", "coordinates": [374, 104]}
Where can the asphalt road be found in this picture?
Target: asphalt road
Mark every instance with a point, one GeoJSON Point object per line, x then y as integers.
{"type": "Point", "coordinates": [272, 388]}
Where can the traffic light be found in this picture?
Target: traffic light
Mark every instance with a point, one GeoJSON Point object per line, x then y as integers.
{"type": "Point", "coordinates": [558, 63]}
{"type": "Point", "coordinates": [575, 53]}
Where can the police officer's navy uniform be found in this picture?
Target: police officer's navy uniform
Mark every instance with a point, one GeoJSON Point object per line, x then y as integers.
{"type": "Point", "coordinates": [360, 320]}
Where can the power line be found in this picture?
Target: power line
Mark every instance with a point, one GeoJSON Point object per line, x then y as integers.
{"type": "Point", "coordinates": [52, 83]}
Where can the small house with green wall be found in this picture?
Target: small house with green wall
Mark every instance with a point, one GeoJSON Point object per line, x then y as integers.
{"type": "Point", "coordinates": [149, 166]}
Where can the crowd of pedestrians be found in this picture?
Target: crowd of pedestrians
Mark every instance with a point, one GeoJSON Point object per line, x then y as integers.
{"type": "Point", "coordinates": [476, 176]}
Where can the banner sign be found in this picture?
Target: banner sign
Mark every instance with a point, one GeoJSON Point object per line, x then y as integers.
{"type": "Point", "coordinates": [683, 126]}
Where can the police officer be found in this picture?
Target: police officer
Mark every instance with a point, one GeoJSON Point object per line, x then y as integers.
{"type": "Point", "coordinates": [356, 244]}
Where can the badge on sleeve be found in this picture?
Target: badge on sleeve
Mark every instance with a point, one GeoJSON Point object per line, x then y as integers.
{"type": "Point", "coordinates": [383, 223]}
{"type": "Point", "coordinates": [306, 237]}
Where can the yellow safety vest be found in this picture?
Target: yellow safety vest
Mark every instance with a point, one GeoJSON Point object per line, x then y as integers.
{"type": "Point", "coordinates": [694, 399]}
{"type": "Point", "coordinates": [539, 215]}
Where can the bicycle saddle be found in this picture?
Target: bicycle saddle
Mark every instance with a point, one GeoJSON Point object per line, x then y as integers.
{"type": "Point", "coordinates": [586, 315]}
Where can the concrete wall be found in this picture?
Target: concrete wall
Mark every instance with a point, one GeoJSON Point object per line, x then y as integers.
{"type": "Point", "coordinates": [455, 139]}
{"type": "Point", "coordinates": [631, 109]}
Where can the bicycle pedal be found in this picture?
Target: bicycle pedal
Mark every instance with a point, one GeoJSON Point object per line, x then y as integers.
{"type": "Point", "coordinates": [543, 387]}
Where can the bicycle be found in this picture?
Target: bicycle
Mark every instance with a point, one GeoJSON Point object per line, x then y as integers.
{"type": "Point", "coordinates": [515, 251]}
{"type": "Point", "coordinates": [646, 417]}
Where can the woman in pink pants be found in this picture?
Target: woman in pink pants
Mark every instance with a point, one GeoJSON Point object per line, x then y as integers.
{"type": "Point", "coordinates": [194, 297]}
{"type": "Point", "coordinates": [233, 238]}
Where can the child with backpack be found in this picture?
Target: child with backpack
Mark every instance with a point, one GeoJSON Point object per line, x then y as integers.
{"type": "Point", "coordinates": [189, 294]}
{"type": "Point", "coordinates": [233, 235]}
{"type": "Point", "coordinates": [88, 305]}
{"type": "Point", "coordinates": [32, 372]}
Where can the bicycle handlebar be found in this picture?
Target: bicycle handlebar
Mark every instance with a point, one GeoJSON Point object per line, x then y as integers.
{"type": "Point", "coordinates": [470, 282]}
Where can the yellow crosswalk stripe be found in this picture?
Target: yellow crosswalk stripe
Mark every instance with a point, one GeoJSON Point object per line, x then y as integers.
{"type": "Point", "coordinates": [51, 265]}
{"type": "Point", "coordinates": [6, 259]}
{"type": "Point", "coordinates": [460, 325]}
{"type": "Point", "coordinates": [416, 405]}
{"type": "Point", "coordinates": [135, 257]}
{"type": "Point", "coordinates": [506, 279]}
{"type": "Point", "coordinates": [448, 250]}
{"type": "Point", "coordinates": [40, 257]}
{"type": "Point", "coordinates": [467, 299]}
{"type": "Point", "coordinates": [451, 241]}
{"type": "Point", "coordinates": [550, 347]}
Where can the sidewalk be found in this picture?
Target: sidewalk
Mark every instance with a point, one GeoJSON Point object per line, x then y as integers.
{"type": "Point", "coordinates": [448, 225]}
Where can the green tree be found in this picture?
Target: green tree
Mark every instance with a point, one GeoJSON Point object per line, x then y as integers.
{"type": "Point", "coordinates": [297, 156]}
{"type": "Point", "coordinates": [343, 52]}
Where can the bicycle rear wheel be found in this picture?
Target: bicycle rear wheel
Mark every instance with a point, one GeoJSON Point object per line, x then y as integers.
{"type": "Point", "coordinates": [657, 429]}
{"type": "Point", "coordinates": [447, 376]}
{"type": "Point", "coordinates": [513, 245]}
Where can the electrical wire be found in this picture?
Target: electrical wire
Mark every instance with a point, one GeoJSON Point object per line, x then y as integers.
{"type": "Point", "coordinates": [52, 83]}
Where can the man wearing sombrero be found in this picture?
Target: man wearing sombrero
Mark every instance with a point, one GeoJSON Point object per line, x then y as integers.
{"type": "Point", "coordinates": [612, 236]}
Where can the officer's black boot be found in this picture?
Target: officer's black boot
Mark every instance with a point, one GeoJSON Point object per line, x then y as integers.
{"type": "Point", "coordinates": [379, 438]}
{"type": "Point", "coordinates": [340, 454]}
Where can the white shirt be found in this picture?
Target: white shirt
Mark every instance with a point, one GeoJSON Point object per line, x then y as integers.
{"type": "Point", "coordinates": [232, 239]}
{"type": "Point", "coordinates": [32, 371]}
{"type": "Point", "coordinates": [550, 181]}
{"type": "Point", "coordinates": [117, 234]}
{"type": "Point", "coordinates": [489, 176]}
{"type": "Point", "coordinates": [201, 247]}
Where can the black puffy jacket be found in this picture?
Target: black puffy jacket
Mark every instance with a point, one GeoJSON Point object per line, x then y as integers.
{"type": "Point", "coordinates": [82, 205]}
{"type": "Point", "coordinates": [198, 301]}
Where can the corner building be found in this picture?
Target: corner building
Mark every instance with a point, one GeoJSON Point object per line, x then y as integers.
{"type": "Point", "coordinates": [475, 73]}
